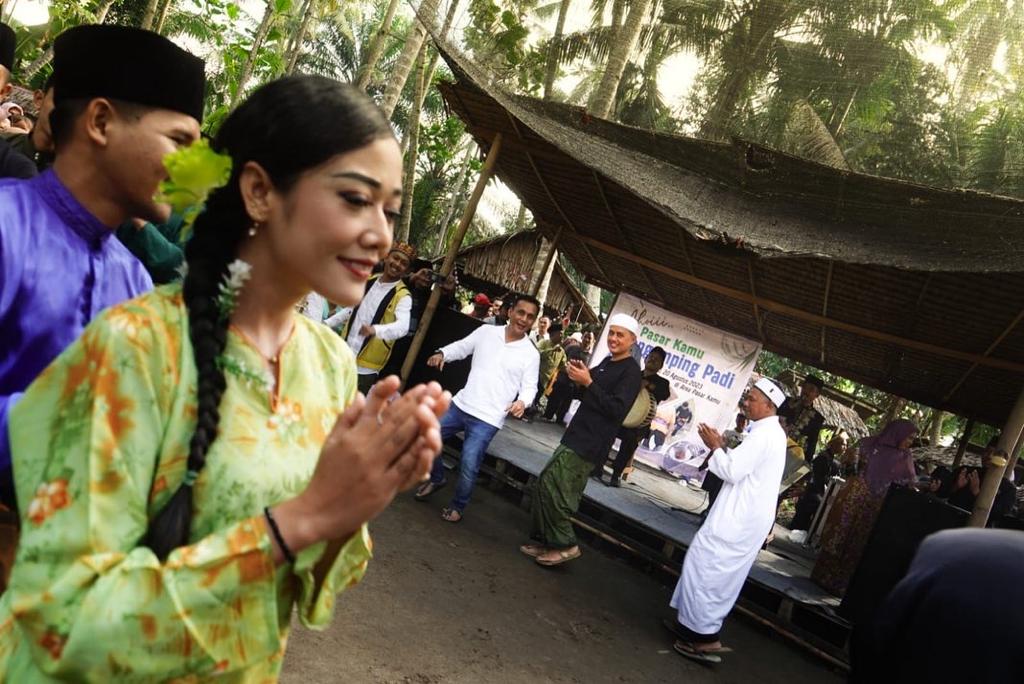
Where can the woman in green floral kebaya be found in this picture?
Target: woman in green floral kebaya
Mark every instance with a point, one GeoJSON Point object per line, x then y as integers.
{"type": "Point", "coordinates": [183, 475]}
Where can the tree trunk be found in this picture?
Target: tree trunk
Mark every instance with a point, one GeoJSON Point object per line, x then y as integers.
{"type": "Point", "coordinates": [148, 14]}
{"type": "Point", "coordinates": [46, 57]}
{"type": "Point", "coordinates": [32, 69]}
{"type": "Point", "coordinates": [750, 49]}
{"type": "Point", "coordinates": [625, 41]}
{"type": "Point", "coordinates": [376, 47]}
{"type": "Point", "coordinates": [551, 68]}
{"type": "Point", "coordinates": [257, 43]}
{"type": "Point", "coordinates": [403, 67]}
{"type": "Point", "coordinates": [936, 429]}
{"type": "Point", "coordinates": [308, 12]}
{"type": "Point", "coordinates": [101, 13]}
{"type": "Point", "coordinates": [413, 136]}
{"type": "Point", "coordinates": [162, 19]}
{"type": "Point", "coordinates": [520, 219]}
{"type": "Point", "coordinates": [458, 194]}
{"type": "Point", "coordinates": [593, 295]}
{"type": "Point", "coordinates": [618, 11]}
{"type": "Point", "coordinates": [545, 283]}
{"type": "Point", "coordinates": [434, 54]}
{"type": "Point", "coordinates": [892, 412]}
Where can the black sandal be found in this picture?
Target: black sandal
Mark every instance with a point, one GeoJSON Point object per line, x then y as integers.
{"type": "Point", "coordinates": [427, 489]}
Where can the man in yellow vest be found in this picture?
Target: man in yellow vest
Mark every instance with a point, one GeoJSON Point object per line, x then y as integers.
{"type": "Point", "coordinates": [372, 327]}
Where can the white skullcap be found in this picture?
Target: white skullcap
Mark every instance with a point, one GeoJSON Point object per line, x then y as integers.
{"type": "Point", "coordinates": [771, 390]}
{"type": "Point", "coordinates": [576, 336]}
{"type": "Point", "coordinates": [626, 322]}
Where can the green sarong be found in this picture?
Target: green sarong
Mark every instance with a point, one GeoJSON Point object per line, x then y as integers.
{"type": "Point", "coordinates": [559, 490]}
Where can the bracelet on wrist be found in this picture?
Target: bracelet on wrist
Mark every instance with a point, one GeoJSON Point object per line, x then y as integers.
{"type": "Point", "coordinates": [276, 531]}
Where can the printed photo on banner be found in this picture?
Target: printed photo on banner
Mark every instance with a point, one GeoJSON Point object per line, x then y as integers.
{"type": "Point", "coordinates": [708, 370]}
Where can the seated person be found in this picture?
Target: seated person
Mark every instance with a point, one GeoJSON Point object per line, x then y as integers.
{"type": "Point", "coordinates": [823, 468]}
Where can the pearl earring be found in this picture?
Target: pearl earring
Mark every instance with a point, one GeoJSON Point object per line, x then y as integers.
{"type": "Point", "coordinates": [252, 229]}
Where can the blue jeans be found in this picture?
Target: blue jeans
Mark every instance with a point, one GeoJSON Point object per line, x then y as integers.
{"type": "Point", "coordinates": [476, 436]}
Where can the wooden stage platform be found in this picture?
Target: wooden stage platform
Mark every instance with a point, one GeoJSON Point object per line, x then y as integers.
{"type": "Point", "coordinates": [653, 518]}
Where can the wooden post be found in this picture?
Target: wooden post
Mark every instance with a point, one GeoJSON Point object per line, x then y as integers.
{"type": "Point", "coordinates": [994, 473]}
{"type": "Point", "coordinates": [449, 259]}
{"type": "Point", "coordinates": [535, 287]}
{"type": "Point", "coordinates": [965, 439]}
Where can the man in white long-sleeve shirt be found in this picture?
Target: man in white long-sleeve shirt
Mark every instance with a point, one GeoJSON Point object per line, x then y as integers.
{"type": "Point", "coordinates": [382, 317]}
{"type": "Point", "coordinates": [505, 365]}
{"type": "Point", "coordinates": [725, 547]}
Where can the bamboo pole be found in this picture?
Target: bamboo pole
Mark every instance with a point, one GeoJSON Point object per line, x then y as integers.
{"type": "Point", "coordinates": [965, 439]}
{"type": "Point", "coordinates": [994, 472]}
{"type": "Point", "coordinates": [449, 260]}
{"type": "Point", "coordinates": [1014, 455]}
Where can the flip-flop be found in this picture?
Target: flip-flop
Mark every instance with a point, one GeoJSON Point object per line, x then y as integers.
{"type": "Point", "coordinates": [533, 550]}
{"type": "Point", "coordinates": [425, 491]}
{"type": "Point", "coordinates": [449, 513]}
{"type": "Point", "coordinates": [688, 650]}
{"type": "Point", "coordinates": [564, 556]}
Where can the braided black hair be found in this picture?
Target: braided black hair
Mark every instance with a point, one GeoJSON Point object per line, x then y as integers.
{"type": "Point", "coordinates": [287, 126]}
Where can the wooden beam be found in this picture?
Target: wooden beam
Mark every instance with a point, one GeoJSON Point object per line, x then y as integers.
{"type": "Point", "coordinates": [805, 316]}
{"type": "Point", "coordinates": [824, 305]}
{"type": "Point", "coordinates": [991, 348]}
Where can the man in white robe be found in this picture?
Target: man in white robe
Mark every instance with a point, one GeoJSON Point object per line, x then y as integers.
{"type": "Point", "coordinates": [725, 547]}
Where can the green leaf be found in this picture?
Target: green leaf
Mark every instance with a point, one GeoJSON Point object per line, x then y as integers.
{"type": "Point", "coordinates": [232, 11]}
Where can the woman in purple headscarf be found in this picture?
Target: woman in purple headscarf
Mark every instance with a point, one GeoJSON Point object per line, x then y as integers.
{"type": "Point", "coordinates": [853, 514]}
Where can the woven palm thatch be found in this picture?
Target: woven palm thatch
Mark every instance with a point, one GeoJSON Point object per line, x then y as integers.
{"type": "Point", "coordinates": [910, 289]}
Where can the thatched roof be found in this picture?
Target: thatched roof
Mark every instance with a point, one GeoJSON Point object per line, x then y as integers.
{"type": "Point", "coordinates": [507, 261]}
{"type": "Point", "coordinates": [913, 290]}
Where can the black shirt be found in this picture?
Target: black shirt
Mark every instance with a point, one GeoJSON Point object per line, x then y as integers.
{"type": "Point", "coordinates": [823, 467]}
{"type": "Point", "coordinates": [810, 425]}
{"type": "Point", "coordinates": [604, 406]}
{"type": "Point", "coordinates": [14, 164]}
{"type": "Point", "coordinates": [658, 387]}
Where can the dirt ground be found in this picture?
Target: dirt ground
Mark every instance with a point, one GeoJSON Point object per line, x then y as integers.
{"type": "Point", "coordinates": [459, 603]}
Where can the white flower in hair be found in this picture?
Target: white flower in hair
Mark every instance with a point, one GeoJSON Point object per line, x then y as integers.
{"type": "Point", "coordinates": [232, 283]}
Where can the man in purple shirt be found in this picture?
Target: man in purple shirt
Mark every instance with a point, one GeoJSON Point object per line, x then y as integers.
{"type": "Point", "coordinates": [123, 99]}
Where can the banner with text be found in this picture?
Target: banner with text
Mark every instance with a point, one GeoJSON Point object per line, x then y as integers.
{"type": "Point", "coordinates": [708, 370]}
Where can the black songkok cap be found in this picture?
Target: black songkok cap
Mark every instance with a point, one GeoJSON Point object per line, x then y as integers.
{"type": "Point", "coordinates": [7, 45]}
{"type": "Point", "coordinates": [123, 63]}
{"type": "Point", "coordinates": [815, 380]}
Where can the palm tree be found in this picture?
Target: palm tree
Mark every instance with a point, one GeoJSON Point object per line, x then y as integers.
{"type": "Point", "coordinates": [551, 69]}
{"type": "Point", "coordinates": [412, 137]}
{"type": "Point", "coordinates": [262, 31]}
{"type": "Point", "coordinates": [149, 14]}
{"type": "Point", "coordinates": [625, 41]}
{"type": "Point", "coordinates": [58, 22]}
{"type": "Point", "coordinates": [297, 40]}
{"type": "Point", "coordinates": [426, 16]}
{"type": "Point", "coordinates": [377, 46]}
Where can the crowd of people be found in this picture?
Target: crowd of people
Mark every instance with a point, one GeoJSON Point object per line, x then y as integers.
{"type": "Point", "coordinates": [143, 429]}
